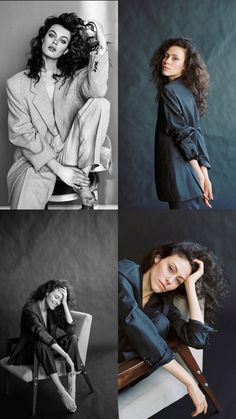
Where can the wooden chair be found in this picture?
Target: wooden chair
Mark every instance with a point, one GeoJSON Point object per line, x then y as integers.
{"type": "Point", "coordinates": [130, 371]}
{"type": "Point", "coordinates": [141, 394]}
{"type": "Point", "coordinates": [34, 373]}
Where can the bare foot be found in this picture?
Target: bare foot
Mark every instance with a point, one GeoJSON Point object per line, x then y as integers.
{"type": "Point", "coordinates": [67, 400]}
{"type": "Point", "coordinates": [71, 384]}
{"type": "Point", "coordinates": [87, 196]}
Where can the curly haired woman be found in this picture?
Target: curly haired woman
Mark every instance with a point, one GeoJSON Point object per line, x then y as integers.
{"type": "Point", "coordinates": [147, 315]}
{"type": "Point", "coordinates": [48, 328]}
{"type": "Point", "coordinates": [181, 157]}
{"type": "Point", "coordinates": [58, 117]}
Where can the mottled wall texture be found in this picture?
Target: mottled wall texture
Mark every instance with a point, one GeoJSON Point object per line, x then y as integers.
{"type": "Point", "coordinates": [19, 23]}
{"type": "Point", "coordinates": [142, 27]}
{"type": "Point", "coordinates": [37, 246]}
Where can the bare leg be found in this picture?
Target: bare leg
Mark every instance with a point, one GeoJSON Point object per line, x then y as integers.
{"type": "Point", "coordinates": [71, 384]}
{"type": "Point", "coordinates": [65, 397]}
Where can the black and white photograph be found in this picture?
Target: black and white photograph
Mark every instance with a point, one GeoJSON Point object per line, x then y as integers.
{"type": "Point", "coordinates": [59, 104]}
{"type": "Point", "coordinates": [58, 314]}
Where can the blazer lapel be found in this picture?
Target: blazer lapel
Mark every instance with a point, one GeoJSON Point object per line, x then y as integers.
{"type": "Point", "coordinates": [42, 103]}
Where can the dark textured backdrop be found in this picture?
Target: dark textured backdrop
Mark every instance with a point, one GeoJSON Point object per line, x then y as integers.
{"type": "Point", "coordinates": [142, 230]}
{"type": "Point", "coordinates": [143, 25]}
{"type": "Point", "coordinates": [37, 246]}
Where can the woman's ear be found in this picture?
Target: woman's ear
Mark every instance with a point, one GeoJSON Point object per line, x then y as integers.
{"type": "Point", "coordinates": [157, 259]}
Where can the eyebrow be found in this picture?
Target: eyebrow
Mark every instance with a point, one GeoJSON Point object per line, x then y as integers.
{"type": "Point", "coordinates": [63, 36]}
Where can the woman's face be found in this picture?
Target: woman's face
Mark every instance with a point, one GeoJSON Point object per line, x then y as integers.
{"type": "Point", "coordinates": [173, 63]}
{"type": "Point", "coordinates": [55, 42]}
{"type": "Point", "coordinates": [168, 273]}
{"type": "Point", "coordinates": [54, 299]}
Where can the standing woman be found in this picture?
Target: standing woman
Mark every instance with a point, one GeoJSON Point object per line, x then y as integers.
{"type": "Point", "coordinates": [181, 157]}
{"type": "Point", "coordinates": [147, 315]}
{"type": "Point", "coordinates": [48, 328]}
{"type": "Point", "coordinates": [58, 117]}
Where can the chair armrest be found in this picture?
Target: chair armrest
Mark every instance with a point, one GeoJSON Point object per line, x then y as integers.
{"type": "Point", "coordinates": [129, 371]}
{"type": "Point", "coordinates": [10, 342]}
{"type": "Point", "coordinates": [82, 331]}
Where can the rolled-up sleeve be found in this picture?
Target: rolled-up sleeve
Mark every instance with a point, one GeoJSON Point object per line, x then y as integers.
{"type": "Point", "coordinates": [139, 329]}
{"type": "Point", "coordinates": [183, 135]}
{"type": "Point", "coordinates": [193, 332]}
{"type": "Point", "coordinates": [92, 80]}
{"type": "Point", "coordinates": [22, 132]}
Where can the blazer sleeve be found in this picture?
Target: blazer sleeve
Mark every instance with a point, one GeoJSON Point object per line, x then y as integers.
{"type": "Point", "coordinates": [92, 80]}
{"type": "Point", "coordinates": [203, 157]}
{"type": "Point", "coordinates": [22, 132]}
{"type": "Point", "coordinates": [193, 332]}
{"type": "Point", "coordinates": [139, 328]}
{"type": "Point", "coordinates": [176, 127]}
{"type": "Point", "coordinates": [34, 325]}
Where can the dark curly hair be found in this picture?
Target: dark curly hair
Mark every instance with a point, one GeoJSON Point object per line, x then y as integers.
{"type": "Point", "coordinates": [212, 285]}
{"type": "Point", "coordinates": [49, 286]}
{"type": "Point", "coordinates": [195, 76]}
{"type": "Point", "coordinates": [79, 47]}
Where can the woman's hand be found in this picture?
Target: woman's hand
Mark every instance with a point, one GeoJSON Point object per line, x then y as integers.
{"type": "Point", "coordinates": [198, 399]}
{"type": "Point", "coordinates": [70, 363]}
{"type": "Point", "coordinates": [73, 176]}
{"type": "Point", "coordinates": [193, 278]}
{"type": "Point", "coordinates": [63, 291]}
{"type": "Point", "coordinates": [208, 195]}
{"type": "Point", "coordinates": [97, 32]}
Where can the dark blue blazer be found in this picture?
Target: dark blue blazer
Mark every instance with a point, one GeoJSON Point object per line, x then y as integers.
{"type": "Point", "coordinates": [143, 331]}
{"type": "Point", "coordinates": [178, 140]}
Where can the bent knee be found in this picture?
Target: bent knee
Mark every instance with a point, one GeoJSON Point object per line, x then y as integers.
{"type": "Point", "coordinates": [100, 102]}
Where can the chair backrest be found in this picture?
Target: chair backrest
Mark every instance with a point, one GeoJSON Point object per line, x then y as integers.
{"type": "Point", "coordinates": [82, 331]}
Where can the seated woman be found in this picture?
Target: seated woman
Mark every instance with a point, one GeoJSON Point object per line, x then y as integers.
{"type": "Point", "coordinates": [48, 328]}
{"type": "Point", "coordinates": [147, 314]}
{"type": "Point", "coordinates": [58, 117]}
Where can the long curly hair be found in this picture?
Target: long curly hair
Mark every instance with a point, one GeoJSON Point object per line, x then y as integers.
{"type": "Point", "coordinates": [195, 76]}
{"type": "Point", "coordinates": [49, 286]}
{"type": "Point", "coordinates": [79, 47]}
{"type": "Point", "coordinates": [212, 286]}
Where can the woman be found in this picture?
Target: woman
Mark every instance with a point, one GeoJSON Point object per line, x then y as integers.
{"type": "Point", "coordinates": [58, 117]}
{"type": "Point", "coordinates": [48, 328]}
{"type": "Point", "coordinates": [181, 157]}
{"type": "Point", "coordinates": [147, 314]}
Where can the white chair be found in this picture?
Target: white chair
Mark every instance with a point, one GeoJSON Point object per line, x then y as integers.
{"type": "Point", "coordinates": [34, 373]}
{"type": "Point", "coordinates": [160, 389]}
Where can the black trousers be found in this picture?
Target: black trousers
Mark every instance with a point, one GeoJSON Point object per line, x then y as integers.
{"type": "Point", "coordinates": [46, 355]}
{"type": "Point", "coordinates": [190, 204]}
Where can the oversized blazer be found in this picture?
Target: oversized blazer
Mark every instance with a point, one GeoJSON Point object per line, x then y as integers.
{"type": "Point", "coordinates": [178, 139]}
{"type": "Point", "coordinates": [33, 329]}
{"type": "Point", "coordinates": [37, 131]}
{"type": "Point", "coordinates": [143, 331]}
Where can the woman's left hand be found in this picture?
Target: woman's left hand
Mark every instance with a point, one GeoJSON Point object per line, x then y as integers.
{"type": "Point", "coordinates": [96, 30]}
{"type": "Point", "coordinates": [193, 278]}
{"type": "Point", "coordinates": [208, 195]}
{"type": "Point", "coordinates": [63, 291]}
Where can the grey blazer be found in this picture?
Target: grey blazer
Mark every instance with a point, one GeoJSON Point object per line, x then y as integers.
{"type": "Point", "coordinates": [178, 139]}
{"type": "Point", "coordinates": [32, 126]}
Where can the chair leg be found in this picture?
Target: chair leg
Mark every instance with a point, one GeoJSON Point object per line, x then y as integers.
{"type": "Point", "coordinates": [191, 363]}
{"type": "Point", "coordinates": [85, 375]}
{"type": "Point", "coordinates": [35, 382]}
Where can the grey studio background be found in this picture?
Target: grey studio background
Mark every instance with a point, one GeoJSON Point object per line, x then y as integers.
{"type": "Point", "coordinates": [143, 25]}
{"type": "Point", "coordinates": [19, 23]}
{"type": "Point", "coordinates": [37, 246]}
{"type": "Point", "coordinates": [141, 231]}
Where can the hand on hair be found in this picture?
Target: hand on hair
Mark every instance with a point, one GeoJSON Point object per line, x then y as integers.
{"type": "Point", "coordinates": [63, 291]}
{"type": "Point", "coordinates": [194, 277]}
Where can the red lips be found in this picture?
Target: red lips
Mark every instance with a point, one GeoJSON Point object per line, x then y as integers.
{"type": "Point", "coordinates": [162, 285]}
